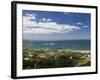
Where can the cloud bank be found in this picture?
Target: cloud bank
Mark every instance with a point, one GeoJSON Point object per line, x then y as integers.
{"type": "Point", "coordinates": [30, 25]}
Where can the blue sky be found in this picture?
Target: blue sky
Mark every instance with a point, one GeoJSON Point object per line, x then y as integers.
{"type": "Point", "coordinates": [47, 25]}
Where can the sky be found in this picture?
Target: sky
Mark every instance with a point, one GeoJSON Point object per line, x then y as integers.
{"type": "Point", "coordinates": [48, 25]}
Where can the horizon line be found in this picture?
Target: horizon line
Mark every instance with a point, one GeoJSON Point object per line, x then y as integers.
{"type": "Point", "coordinates": [56, 40]}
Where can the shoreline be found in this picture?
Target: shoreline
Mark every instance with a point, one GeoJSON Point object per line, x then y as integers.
{"type": "Point", "coordinates": [67, 50]}
{"type": "Point", "coordinates": [82, 51]}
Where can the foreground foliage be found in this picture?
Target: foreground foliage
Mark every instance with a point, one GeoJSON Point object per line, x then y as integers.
{"type": "Point", "coordinates": [46, 58]}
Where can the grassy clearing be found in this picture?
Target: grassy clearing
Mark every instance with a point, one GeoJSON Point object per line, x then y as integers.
{"type": "Point", "coordinates": [47, 58]}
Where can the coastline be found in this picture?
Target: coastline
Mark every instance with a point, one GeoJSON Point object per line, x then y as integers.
{"type": "Point", "coordinates": [82, 51]}
{"type": "Point", "coordinates": [67, 50]}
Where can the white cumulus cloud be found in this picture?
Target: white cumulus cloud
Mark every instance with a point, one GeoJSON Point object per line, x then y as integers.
{"type": "Point", "coordinates": [79, 23]}
{"type": "Point", "coordinates": [46, 20]}
{"type": "Point", "coordinates": [30, 25]}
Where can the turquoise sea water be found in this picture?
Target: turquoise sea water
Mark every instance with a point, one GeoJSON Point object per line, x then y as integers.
{"type": "Point", "coordinates": [61, 44]}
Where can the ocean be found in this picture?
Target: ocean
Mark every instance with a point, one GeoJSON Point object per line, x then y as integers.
{"type": "Point", "coordinates": [60, 44]}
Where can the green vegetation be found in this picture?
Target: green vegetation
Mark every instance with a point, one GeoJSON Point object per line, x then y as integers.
{"type": "Point", "coordinates": [47, 58]}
